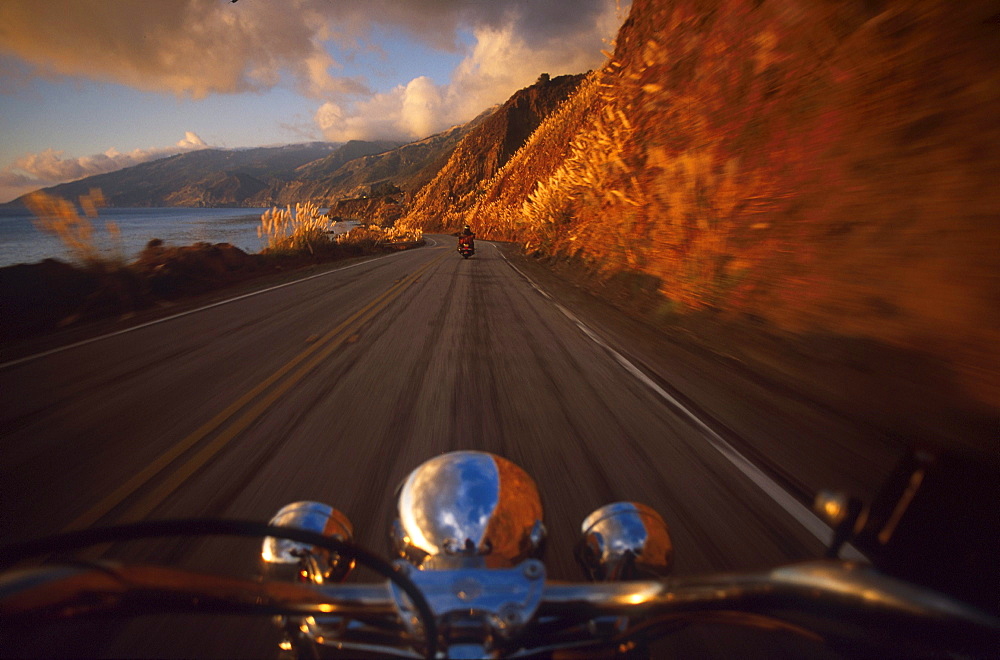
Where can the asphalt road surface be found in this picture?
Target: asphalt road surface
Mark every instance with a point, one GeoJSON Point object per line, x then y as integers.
{"type": "Point", "coordinates": [335, 387]}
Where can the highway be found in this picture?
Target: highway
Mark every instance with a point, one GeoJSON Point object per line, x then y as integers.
{"type": "Point", "coordinates": [333, 388]}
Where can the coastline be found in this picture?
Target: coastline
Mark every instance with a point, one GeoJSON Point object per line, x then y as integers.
{"type": "Point", "coordinates": [21, 242]}
{"type": "Point", "coordinates": [44, 297]}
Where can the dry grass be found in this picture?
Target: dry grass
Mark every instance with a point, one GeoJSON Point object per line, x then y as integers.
{"type": "Point", "coordinates": [376, 237]}
{"type": "Point", "coordinates": [303, 229]}
{"type": "Point", "coordinates": [495, 207]}
{"type": "Point", "coordinates": [461, 189]}
{"type": "Point", "coordinates": [59, 217]}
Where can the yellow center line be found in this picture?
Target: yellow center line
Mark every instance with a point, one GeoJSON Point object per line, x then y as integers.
{"type": "Point", "coordinates": [145, 505]}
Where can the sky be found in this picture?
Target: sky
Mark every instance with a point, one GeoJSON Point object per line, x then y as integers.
{"type": "Point", "coordinates": [90, 86]}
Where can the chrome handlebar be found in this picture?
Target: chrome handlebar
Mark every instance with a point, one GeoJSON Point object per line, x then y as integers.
{"type": "Point", "coordinates": [469, 523]}
{"type": "Point", "coordinates": [821, 590]}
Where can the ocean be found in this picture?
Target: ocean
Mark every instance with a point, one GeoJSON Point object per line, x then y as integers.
{"type": "Point", "coordinates": [22, 242]}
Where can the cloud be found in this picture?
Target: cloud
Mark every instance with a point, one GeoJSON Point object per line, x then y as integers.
{"type": "Point", "coordinates": [49, 167]}
{"type": "Point", "coordinates": [187, 47]}
{"type": "Point", "coordinates": [421, 107]}
{"type": "Point", "coordinates": [509, 53]}
{"type": "Point", "coordinates": [197, 48]}
{"type": "Point", "coordinates": [200, 47]}
{"type": "Point", "coordinates": [404, 113]}
{"type": "Point", "coordinates": [301, 128]}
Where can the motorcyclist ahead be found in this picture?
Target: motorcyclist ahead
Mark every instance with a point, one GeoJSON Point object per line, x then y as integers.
{"type": "Point", "coordinates": [466, 238]}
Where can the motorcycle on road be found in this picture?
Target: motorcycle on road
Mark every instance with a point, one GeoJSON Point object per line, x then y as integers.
{"type": "Point", "coordinates": [468, 581]}
{"type": "Point", "coordinates": [466, 246]}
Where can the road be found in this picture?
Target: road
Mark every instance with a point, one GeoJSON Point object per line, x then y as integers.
{"type": "Point", "coordinates": [334, 388]}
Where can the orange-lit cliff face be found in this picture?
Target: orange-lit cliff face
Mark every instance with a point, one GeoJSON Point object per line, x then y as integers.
{"type": "Point", "coordinates": [442, 203]}
{"type": "Point", "coordinates": [828, 168]}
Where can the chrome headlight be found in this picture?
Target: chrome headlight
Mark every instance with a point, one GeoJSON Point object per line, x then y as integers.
{"type": "Point", "coordinates": [309, 562]}
{"type": "Point", "coordinates": [625, 541]}
{"type": "Point", "coordinates": [468, 504]}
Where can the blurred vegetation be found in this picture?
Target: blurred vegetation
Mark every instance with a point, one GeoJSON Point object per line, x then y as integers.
{"type": "Point", "coordinates": [307, 230]}
{"type": "Point", "coordinates": [818, 167]}
{"type": "Point", "coordinates": [60, 217]}
{"type": "Point", "coordinates": [470, 174]}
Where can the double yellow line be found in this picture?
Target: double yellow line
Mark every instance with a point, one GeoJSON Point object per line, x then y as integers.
{"type": "Point", "coordinates": [262, 397]}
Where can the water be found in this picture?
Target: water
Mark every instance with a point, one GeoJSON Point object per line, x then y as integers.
{"type": "Point", "coordinates": [22, 242]}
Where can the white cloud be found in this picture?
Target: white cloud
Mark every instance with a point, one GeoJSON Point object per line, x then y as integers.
{"type": "Point", "coordinates": [404, 113]}
{"type": "Point", "coordinates": [506, 56]}
{"type": "Point", "coordinates": [421, 107]}
{"type": "Point", "coordinates": [375, 118]}
{"type": "Point", "coordinates": [192, 141]}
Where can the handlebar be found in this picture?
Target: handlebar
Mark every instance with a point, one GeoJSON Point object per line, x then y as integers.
{"type": "Point", "coordinates": [856, 598]}
{"type": "Point", "coordinates": [823, 600]}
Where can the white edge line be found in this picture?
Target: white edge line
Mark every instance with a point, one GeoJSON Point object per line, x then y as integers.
{"type": "Point", "coordinates": [60, 349]}
{"type": "Point", "coordinates": [783, 498]}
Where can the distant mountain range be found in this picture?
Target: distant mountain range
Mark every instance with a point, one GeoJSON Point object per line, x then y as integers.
{"type": "Point", "coordinates": [321, 172]}
{"type": "Point", "coordinates": [407, 167]}
{"type": "Point", "coordinates": [212, 177]}
{"type": "Point", "coordinates": [330, 173]}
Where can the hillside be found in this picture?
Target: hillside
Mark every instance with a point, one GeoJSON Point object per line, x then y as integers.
{"type": "Point", "coordinates": [319, 172]}
{"type": "Point", "coordinates": [486, 149]}
{"type": "Point", "coordinates": [823, 175]}
{"type": "Point", "coordinates": [209, 177]}
{"type": "Point", "coordinates": [408, 167]}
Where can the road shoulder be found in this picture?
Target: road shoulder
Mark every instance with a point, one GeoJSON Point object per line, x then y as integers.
{"type": "Point", "coordinates": [840, 420]}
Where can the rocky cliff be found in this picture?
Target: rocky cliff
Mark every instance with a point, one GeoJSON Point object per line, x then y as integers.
{"type": "Point", "coordinates": [443, 202]}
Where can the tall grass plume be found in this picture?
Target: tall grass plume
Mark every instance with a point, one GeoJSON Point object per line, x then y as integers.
{"type": "Point", "coordinates": [59, 217]}
{"type": "Point", "coordinates": [303, 230]}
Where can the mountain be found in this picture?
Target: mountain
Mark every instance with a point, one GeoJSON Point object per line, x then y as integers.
{"type": "Point", "coordinates": [320, 172]}
{"type": "Point", "coordinates": [407, 167]}
{"type": "Point", "coordinates": [208, 177]}
{"type": "Point", "coordinates": [489, 146]}
{"type": "Point", "coordinates": [326, 166]}
{"type": "Point", "coordinates": [215, 177]}
{"type": "Point", "coordinates": [327, 173]}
